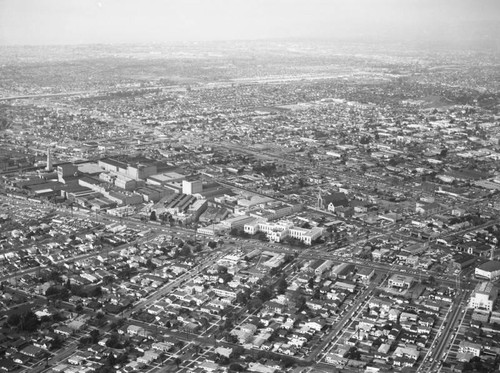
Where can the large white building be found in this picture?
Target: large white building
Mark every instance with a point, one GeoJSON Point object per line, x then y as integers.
{"type": "Point", "coordinates": [138, 171]}
{"type": "Point", "coordinates": [489, 270]}
{"type": "Point", "coordinates": [484, 296]}
{"type": "Point", "coordinates": [400, 281]}
{"type": "Point", "coordinates": [277, 231]}
{"type": "Point", "coordinates": [192, 187]}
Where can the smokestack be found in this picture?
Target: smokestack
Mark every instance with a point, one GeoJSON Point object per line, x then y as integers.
{"type": "Point", "coordinates": [49, 161]}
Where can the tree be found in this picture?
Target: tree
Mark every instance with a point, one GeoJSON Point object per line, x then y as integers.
{"type": "Point", "coordinates": [113, 341]}
{"type": "Point", "coordinates": [150, 265]}
{"type": "Point", "coordinates": [310, 283]}
{"type": "Point", "coordinates": [281, 285]}
{"type": "Point", "coordinates": [237, 352]}
{"type": "Point", "coordinates": [185, 251]}
{"type": "Point", "coordinates": [228, 325]}
{"type": "Point", "coordinates": [111, 360]}
{"type": "Point", "coordinates": [432, 281]}
{"type": "Point", "coordinates": [317, 293]}
{"type": "Point", "coordinates": [243, 296]}
{"type": "Point", "coordinates": [261, 236]}
{"type": "Point", "coordinates": [300, 303]}
{"type": "Point", "coordinates": [235, 367]}
{"type": "Point", "coordinates": [57, 342]}
{"type": "Point", "coordinates": [14, 319]}
{"type": "Point", "coordinates": [287, 362]}
{"type": "Point", "coordinates": [152, 216]}
{"type": "Point", "coordinates": [205, 324]}
{"type": "Point", "coordinates": [99, 316]}
{"type": "Point", "coordinates": [177, 361]}
{"type": "Point", "coordinates": [96, 292]}
{"type": "Point", "coordinates": [265, 294]}
{"type": "Point", "coordinates": [226, 277]}
{"type": "Point", "coordinates": [221, 269]}
{"type": "Point", "coordinates": [254, 304]}
{"type": "Point", "coordinates": [94, 334]}
{"type": "Point", "coordinates": [55, 276]}
{"type": "Point", "coordinates": [85, 340]}
{"type": "Point", "coordinates": [212, 244]}
{"type": "Point", "coordinates": [57, 293]}
{"type": "Point", "coordinates": [29, 321]}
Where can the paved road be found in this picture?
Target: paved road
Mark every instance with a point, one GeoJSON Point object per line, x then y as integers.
{"type": "Point", "coordinates": [344, 320]}
{"type": "Point", "coordinates": [440, 351]}
{"type": "Point", "coordinates": [169, 287]}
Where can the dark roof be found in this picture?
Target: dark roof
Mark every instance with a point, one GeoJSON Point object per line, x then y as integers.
{"type": "Point", "coordinates": [337, 198]}
{"type": "Point", "coordinates": [114, 162]}
{"type": "Point", "coordinates": [7, 364]}
{"type": "Point", "coordinates": [90, 180]}
{"type": "Point", "coordinates": [490, 266]}
{"type": "Point", "coordinates": [463, 258]}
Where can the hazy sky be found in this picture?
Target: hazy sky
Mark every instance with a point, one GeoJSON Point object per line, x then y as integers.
{"type": "Point", "coordinates": [118, 21]}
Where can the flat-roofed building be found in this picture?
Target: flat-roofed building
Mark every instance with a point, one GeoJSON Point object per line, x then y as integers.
{"type": "Point", "coordinates": [192, 187]}
{"type": "Point", "coordinates": [473, 348]}
{"type": "Point", "coordinates": [400, 281]}
{"type": "Point", "coordinates": [489, 270]}
{"type": "Point", "coordinates": [165, 178]}
{"type": "Point", "coordinates": [484, 296]}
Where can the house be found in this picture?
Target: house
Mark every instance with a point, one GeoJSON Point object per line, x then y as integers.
{"type": "Point", "coordinates": [63, 330]}
{"type": "Point", "coordinates": [410, 352]}
{"type": "Point", "coordinates": [319, 266]}
{"type": "Point", "coordinates": [76, 325]}
{"type": "Point", "coordinates": [365, 274]}
{"type": "Point", "coordinates": [336, 360]}
{"type": "Point", "coordinates": [76, 360]}
{"type": "Point", "coordinates": [394, 314]}
{"type": "Point", "coordinates": [316, 324]}
{"type": "Point", "coordinates": [135, 330]}
{"type": "Point", "coordinates": [473, 348]}
{"type": "Point", "coordinates": [208, 366]}
{"type": "Point", "coordinates": [32, 351]}
{"type": "Point", "coordinates": [475, 248]}
{"type": "Point", "coordinates": [162, 346]}
{"type": "Point", "coordinates": [148, 357]}
{"type": "Point", "coordinates": [404, 316]}
{"type": "Point", "coordinates": [260, 368]}
{"type": "Point", "coordinates": [222, 351]}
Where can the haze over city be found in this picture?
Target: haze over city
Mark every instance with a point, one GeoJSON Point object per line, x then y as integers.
{"type": "Point", "coordinates": [135, 21]}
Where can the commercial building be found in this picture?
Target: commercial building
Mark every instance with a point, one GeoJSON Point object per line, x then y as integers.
{"type": "Point", "coordinates": [400, 281]}
{"type": "Point", "coordinates": [138, 171]}
{"type": "Point", "coordinates": [484, 296]}
{"type": "Point", "coordinates": [489, 270]}
{"type": "Point", "coordinates": [277, 231]}
{"type": "Point", "coordinates": [192, 187]}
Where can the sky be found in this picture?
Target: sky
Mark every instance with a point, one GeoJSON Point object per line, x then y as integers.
{"type": "Point", "coordinates": [41, 22]}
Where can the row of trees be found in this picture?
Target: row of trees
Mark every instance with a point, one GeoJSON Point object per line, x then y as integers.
{"type": "Point", "coordinates": [26, 322]}
{"type": "Point", "coordinates": [60, 292]}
